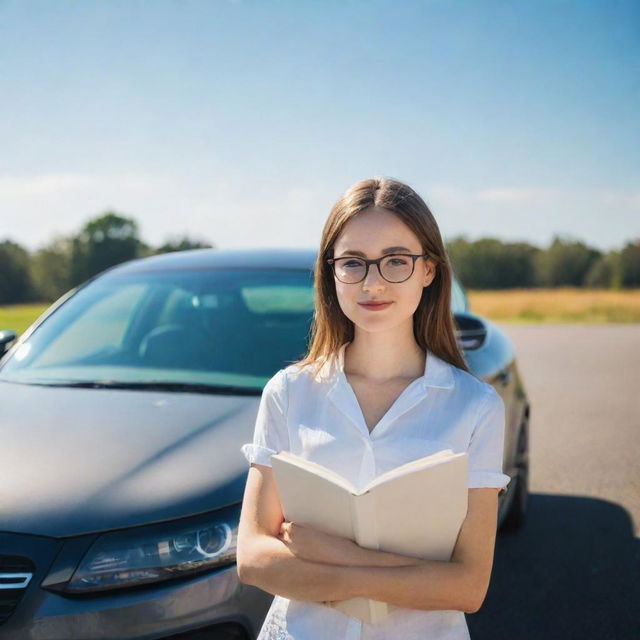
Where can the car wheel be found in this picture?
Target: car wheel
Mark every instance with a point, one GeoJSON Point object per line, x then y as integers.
{"type": "Point", "coordinates": [516, 515]}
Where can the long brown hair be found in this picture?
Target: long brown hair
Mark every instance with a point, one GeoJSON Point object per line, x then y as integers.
{"type": "Point", "coordinates": [433, 322]}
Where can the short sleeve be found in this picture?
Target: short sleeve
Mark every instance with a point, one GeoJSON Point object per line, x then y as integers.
{"type": "Point", "coordinates": [270, 433]}
{"type": "Point", "coordinates": [486, 448]}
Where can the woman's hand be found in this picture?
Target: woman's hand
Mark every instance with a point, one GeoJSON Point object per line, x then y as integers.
{"type": "Point", "coordinates": [314, 545]}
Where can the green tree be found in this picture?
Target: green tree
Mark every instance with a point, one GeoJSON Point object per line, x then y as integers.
{"type": "Point", "coordinates": [15, 274]}
{"type": "Point", "coordinates": [489, 263]}
{"type": "Point", "coordinates": [604, 273]}
{"type": "Point", "coordinates": [630, 264]}
{"type": "Point", "coordinates": [565, 263]}
{"type": "Point", "coordinates": [182, 244]}
{"type": "Point", "coordinates": [51, 269]}
{"type": "Point", "coordinates": [104, 242]}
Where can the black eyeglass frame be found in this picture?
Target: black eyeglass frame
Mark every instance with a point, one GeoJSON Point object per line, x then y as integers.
{"type": "Point", "coordinates": [369, 261]}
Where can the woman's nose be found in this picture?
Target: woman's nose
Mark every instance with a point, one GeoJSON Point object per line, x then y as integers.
{"type": "Point", "coordinates": [374, 276]}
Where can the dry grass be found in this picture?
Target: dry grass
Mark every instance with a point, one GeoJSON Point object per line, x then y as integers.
{"type": "Point", "coordinates": [565, 304]}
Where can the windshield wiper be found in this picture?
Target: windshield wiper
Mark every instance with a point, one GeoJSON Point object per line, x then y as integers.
{"type": "Point", "coordinates": [188, 387]}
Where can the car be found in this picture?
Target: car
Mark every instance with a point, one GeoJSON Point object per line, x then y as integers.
{"type": "Point", "coordinates": [124, 407]}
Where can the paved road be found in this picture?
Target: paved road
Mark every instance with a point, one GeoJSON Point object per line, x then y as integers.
{"type": "Point", "coordinates": [573, 572]}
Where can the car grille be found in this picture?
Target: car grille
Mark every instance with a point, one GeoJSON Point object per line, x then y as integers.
{"type": "Point", "coordinates": [15, 574]}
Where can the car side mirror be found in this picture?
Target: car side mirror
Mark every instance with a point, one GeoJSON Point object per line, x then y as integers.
{"type": "Point", "coordinates": [7, 338]}
{"type": "Point", "coordinates": [471, 331]}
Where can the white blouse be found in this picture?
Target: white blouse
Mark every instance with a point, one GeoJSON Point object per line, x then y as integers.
{"type": "Point", "coordinates": [320, 419]}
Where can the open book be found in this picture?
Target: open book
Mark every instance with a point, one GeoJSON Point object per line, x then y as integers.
{"type": "Point", "coordinates": [416, 509]}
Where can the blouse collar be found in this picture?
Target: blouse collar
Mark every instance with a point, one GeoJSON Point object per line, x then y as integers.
{"type": "Point", "coordinates": [437, 372]}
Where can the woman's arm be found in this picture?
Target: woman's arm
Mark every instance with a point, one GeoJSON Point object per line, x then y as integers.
{"type": "Point", "coordinates": [312, 544]}
{"type": "Point", "coordinates": [275, 569]}
{"type": "Point", "coordinates": [265, 561]}
{"type": "Point", "coordinates": [461, 584]}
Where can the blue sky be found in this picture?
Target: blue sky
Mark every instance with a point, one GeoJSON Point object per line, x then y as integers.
{"type": "Point", "coordinates": [242, 122]}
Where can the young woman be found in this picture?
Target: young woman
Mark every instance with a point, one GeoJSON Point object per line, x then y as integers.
{"type": "Point", "coordinates": [384, 383]}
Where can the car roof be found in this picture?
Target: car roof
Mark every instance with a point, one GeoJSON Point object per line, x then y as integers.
{"type": "Point", "coordinates": [255, 258]}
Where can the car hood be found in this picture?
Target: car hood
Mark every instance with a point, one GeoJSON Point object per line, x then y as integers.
{"type": "Point", "coordinates": [75, 461]}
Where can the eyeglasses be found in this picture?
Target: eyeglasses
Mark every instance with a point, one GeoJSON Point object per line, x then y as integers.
{"type": "Point", "coordinates": [396, 267]}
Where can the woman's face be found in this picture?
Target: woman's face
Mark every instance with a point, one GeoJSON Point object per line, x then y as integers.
{"type": "Point", "coordinates": [367, 235]}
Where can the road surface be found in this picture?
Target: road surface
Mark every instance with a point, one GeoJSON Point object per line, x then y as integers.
{"type": "Point", "coordinates": [573, 571]}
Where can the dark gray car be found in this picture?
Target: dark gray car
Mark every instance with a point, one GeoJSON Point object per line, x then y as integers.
{"type": "Point", "coordinates": [122, 412]}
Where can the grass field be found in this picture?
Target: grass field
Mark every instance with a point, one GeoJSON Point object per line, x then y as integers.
{"type": "Point", "coordinates": [565, 304]}
{"type": "Point", "coordinates": [19, 316]}
{"type": "Point", "coordinates": [514, 305]}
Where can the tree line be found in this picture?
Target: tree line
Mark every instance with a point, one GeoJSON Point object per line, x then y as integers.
{"type": "Point", "coordinates": [67, 261]}
{"type": "Point", "coordinates": [489, 263]}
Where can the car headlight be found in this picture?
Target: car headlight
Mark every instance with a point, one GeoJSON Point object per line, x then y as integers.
{"type": "Point", "coordinates": [154, 553]}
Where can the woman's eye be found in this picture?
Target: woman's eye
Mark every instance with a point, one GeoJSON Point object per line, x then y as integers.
{"type": "Point", "coordinates": [353, 263]}
{"type": "Point", "coordinates": [398, 262]}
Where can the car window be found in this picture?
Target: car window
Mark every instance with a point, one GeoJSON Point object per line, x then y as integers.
{"type": "Point", "coordinates": [231, 327]}
{"type": "Point", "coordinates": [100, 328]}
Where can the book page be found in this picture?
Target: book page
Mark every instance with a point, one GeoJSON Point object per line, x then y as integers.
{"type": "Point", "coordinates": [420, 514]}
{"type": "Point", "coordinates": [310, 499]}
{"type": "Point", "coordinates": [319, 470]}
{"type": "Point", "coordinates": [410, 467]}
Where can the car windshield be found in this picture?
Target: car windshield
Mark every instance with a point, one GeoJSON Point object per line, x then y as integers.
{"type": "Point", "coordinates": [218, 328]}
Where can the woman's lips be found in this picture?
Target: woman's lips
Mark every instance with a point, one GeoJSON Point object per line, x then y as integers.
{"type": "Point", "coordinates": [376, 307]}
